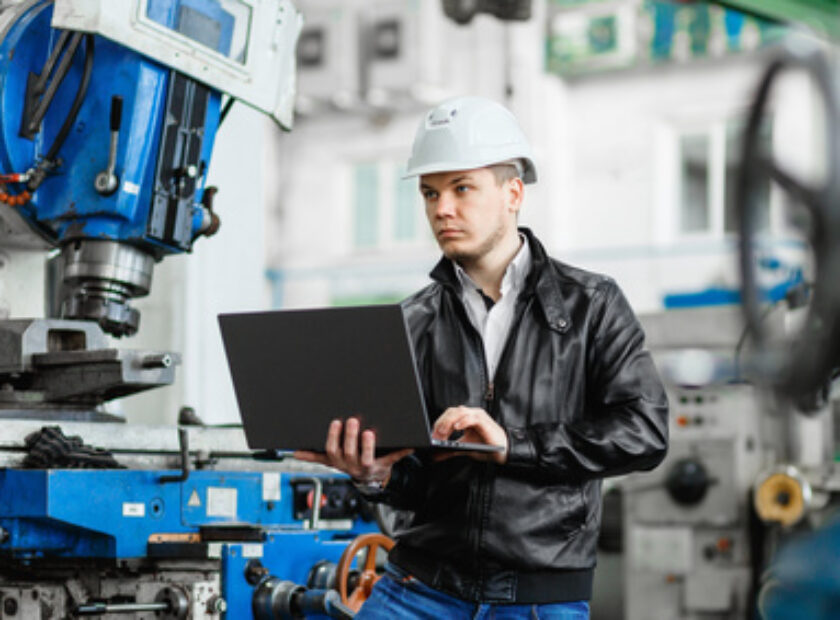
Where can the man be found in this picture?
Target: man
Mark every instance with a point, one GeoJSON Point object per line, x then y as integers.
{"type": "Point", "coordinates": [517, 350]}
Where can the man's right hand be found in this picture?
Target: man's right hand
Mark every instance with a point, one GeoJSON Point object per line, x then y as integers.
{"type": "Point", "coordinates": [343, 453]}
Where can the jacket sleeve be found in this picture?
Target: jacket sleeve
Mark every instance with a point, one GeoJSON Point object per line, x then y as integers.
{"type": "Point", "coordinates": [406, 488]}
{"type": "Point", "coordinates": [625, 423]}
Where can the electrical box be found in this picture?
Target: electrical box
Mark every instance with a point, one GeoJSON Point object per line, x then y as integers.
{"type": "Point", "coordinates": [353, 55]}
{"type": "Point", "coordinates": [328, 54]}
{"type": "Point", "coordinates": [391, 49]}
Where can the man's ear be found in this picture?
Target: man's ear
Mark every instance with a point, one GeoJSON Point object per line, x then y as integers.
{"type": "Point", "coordinates": [515, 194]}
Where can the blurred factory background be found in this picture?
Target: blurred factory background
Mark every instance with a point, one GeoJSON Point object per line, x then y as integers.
{"type": "Point", "coordinates": [636, 111]}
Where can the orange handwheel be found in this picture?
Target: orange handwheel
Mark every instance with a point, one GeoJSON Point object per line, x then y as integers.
{"type": "Point", "coordinates": [368, 576]}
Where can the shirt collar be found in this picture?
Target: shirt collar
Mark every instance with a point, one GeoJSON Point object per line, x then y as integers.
{"type": "Point", "coordinates": [520, 266]}
{"type": "Point", "coordinates": [515, 273]}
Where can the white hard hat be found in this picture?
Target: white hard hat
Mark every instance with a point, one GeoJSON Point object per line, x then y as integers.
{"type": "Point", "coordinates": [465, 133]}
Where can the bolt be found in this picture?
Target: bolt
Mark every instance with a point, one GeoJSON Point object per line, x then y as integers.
{"type": "Point", "coordinates": [255, 572]}
{"type": "Point", "coordinates": [157, 360]}
{"type": "Point", "coordinates": [189, 172]}
{"type": "Point", "coordinates": [10, 606]}
{"type": "Point", "coordinates": [216, 605]}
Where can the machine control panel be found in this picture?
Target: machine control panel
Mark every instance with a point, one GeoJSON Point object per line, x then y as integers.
{"type": "Point", "coordinates": [338, 500]}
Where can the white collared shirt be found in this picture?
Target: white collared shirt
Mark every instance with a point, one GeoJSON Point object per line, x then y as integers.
{"type": "Point", "coordinates": [494, 324]}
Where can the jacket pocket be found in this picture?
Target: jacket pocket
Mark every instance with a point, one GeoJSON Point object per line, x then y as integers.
{"type": "Point", "coordinates": [571, 505]}
{"type": "Point", "coordinates": [537, 513]}
{"type": "Point", "coordinates": [533, 525]}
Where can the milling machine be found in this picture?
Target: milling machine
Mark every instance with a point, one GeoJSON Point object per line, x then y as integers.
{"type": "Point", "coordinates": [108, 114]}
{"type": "Point", "coordinates": [743, 475]}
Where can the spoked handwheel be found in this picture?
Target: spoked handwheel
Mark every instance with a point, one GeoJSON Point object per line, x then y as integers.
{"type": "Point", "coordinates": [370, 543]}
{"type": "Point", "coordinates": [800, 367]}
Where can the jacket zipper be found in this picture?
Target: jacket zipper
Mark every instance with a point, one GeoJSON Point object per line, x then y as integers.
{"type": "Point", "coordinates": [489, 394]}
{"type": "Point", "coordinates": [483, 491]}
{"type": "Point", "coordinates": [481, 496]}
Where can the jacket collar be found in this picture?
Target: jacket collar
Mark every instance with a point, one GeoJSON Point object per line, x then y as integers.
{"type": "Point", "coordinates": [542, 281]}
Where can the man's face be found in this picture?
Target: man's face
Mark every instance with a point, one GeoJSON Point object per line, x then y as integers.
{"type": "Point", "coordinates": [469, 211]}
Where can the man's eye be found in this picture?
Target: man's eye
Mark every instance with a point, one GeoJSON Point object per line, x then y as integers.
{"type": "Point", "coordinates": [429, 194]}
{"type": "Point", "coordinates": [461, 189]}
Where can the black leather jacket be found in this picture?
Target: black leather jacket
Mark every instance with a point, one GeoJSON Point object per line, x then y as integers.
{"type": "Point", "coordinates": [580, 399]}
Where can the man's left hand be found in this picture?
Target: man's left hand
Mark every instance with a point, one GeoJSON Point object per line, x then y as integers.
{"type": "Point", "coordinates": [477, 426]}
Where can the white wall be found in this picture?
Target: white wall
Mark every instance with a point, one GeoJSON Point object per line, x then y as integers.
{"type": "Point", "coordinates": [621, 202]}
{"type": "Point", "coordinates": [21, 282]}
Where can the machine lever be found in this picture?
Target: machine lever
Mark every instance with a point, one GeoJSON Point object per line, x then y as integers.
{"type": "Point", "coordinates": [116, 113]}
{"type": "Point", "coordinates": [184, 444]}
{"type": "Point", "coordinates": [317, 494]}
{"type": "Point", "coordinates": [106, 182]}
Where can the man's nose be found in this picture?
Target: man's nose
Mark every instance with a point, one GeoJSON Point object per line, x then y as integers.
{"type": "Point", "coordinates": [445, 205]}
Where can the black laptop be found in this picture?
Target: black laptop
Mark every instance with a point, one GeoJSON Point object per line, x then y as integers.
{"type": "Point", "coordinates": [294, 371]}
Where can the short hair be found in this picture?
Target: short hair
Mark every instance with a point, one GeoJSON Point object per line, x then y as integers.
{"type": "Point", "coordinates": [506, 171]}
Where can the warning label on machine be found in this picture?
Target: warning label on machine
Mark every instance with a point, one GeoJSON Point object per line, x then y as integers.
{"type": "Point", "coordinates": [221, 502]}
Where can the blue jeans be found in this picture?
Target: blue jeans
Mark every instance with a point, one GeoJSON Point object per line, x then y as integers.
{"type": "Point", "coordinates": [398, 595]}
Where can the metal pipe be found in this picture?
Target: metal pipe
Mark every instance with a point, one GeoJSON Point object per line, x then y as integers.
{"type": "Point", "coordinates": [100, 609]}
{"type": "Point", "coordinates": [183, 442]}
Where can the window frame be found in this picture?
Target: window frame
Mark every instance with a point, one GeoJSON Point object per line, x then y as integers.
{"type": "Point", "coordinates": [717, 133]}
{"type": "Point", "coordinates": [388, 196]}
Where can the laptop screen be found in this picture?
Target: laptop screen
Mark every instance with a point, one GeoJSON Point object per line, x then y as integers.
{"type": "Point", "coordinates": [294, 371]}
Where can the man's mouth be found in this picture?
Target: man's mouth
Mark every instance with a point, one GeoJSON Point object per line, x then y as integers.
{"type": "Point", "coordinates": [448, 233]}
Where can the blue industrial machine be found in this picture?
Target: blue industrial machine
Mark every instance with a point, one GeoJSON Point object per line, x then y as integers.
{"type": "Point", "coordinates": [103, 148]}
{"type": "Point", "coordinates": [198, 544]}
{"type": "Point", "coordinates": [108, 114]}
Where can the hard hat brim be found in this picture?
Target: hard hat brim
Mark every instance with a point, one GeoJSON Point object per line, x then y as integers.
{"type": "Point", "coordinates": [528, 176]}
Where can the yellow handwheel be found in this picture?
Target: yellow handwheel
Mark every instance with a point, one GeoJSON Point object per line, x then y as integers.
{"type": "Point", "coordinates": [782, 496]}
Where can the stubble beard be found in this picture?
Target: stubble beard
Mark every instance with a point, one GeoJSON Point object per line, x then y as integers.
{"type": "Point", "coordinates": [467, 258]}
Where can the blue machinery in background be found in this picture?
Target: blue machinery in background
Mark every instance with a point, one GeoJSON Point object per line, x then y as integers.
{"type": "Point", "coordinates": [247, 527]}
{"type": "Point", "coordinates": [103, 150]}
{"type": "Point", "coordinates": [108, 114]}
{"type": "Point", "coordinates": [68, 513]}
{"type": "Point", "coordinates": [164, 125]}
